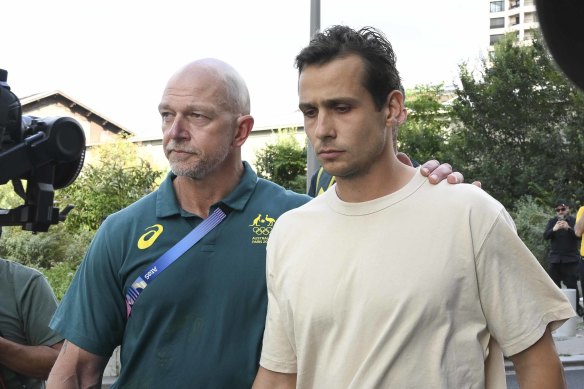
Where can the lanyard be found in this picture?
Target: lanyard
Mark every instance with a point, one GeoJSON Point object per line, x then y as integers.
{"type": "Point", "coordinates": [172, 254]}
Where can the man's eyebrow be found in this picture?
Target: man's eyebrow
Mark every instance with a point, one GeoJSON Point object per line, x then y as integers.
{"type": "Point", "coordinates": [303, 106]}
{"type": "Point", "coordinates": [342, 100]}
{"type": "Point", "coordinates": [332, 102]}
{"type": "Point", "coordinates": [189, 107]}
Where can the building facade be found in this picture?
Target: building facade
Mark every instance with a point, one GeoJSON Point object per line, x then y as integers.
{"type": "Point", "coordinates": [511, 16]}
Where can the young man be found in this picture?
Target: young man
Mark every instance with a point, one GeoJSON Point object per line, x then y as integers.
{"type": "Point", "coordinates": [200, 322]}
{"type": "Point", "coordinates": [395, 292]}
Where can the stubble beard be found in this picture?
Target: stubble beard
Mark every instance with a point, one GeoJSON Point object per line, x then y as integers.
{"type": "Point", "coordinates": [203, 164]}
{"type": "Point", "coordinates": [357, 167]}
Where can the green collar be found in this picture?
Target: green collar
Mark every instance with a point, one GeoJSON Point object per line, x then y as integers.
{"type": "Point", "coordinates": [167, 204]}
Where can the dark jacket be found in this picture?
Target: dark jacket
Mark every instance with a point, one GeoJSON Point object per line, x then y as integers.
{"type": "Point", "coordinates": [564, 243]}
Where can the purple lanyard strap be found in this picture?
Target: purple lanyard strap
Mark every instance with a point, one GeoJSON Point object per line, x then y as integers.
{"type": "Point", "coordinates": [172, 254]}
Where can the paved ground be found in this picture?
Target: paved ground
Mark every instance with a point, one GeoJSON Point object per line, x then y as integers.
{"type": "Point", "coordinates": [570, 346]}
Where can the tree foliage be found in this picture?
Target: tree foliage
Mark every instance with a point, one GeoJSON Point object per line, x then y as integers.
{"type": "Point", "coordinates": [283, 162]}
{"type": "Point", "coordinates": [116, 179]}
{"type": "Point", "coordinates": [518, 127]}
{"type": "Point", "coordinates": [531, 217]}
{"type": "Point", "coordinates": [423, 135]}
{"type": "Point", "coordinates": [8, 197]}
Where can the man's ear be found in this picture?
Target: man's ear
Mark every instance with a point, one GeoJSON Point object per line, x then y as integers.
{"type": "Point", "coordinates": [244, 127]}
{"type": "Point", "coordinates": [396, 113]}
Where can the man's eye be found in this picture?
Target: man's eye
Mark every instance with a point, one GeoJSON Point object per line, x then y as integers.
{"type": "Point", "coordinates": [343, 108]}
{"type": "Point", "coordinates": [309, 113]}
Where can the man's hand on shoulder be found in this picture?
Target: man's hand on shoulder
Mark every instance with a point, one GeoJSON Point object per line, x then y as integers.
{"type": "Point", "coordinates": [436, 172]}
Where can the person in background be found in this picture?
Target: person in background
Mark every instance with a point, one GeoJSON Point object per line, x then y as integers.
{"type": "Point", "coordinates": [28, 347]}
{"type": "Point", "coordinates": [409, 284]}
{"type": "Point", "coordinates": [564, 257]}
{"type": "Point", "coordinates": [199, 323]}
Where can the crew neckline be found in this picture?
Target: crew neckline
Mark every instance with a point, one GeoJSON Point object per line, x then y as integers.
{"type": "Point", "coordinates": [375, 205]}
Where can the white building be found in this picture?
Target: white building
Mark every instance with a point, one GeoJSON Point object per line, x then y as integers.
{"type": "Point", "coordinates": [518, 16]}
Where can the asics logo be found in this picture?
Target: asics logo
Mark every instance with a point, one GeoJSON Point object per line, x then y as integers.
{"type": "Point", "coordinates": [150, 236]}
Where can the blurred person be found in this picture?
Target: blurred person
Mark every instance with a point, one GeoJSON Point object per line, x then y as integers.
{"type": "Point", "coordinates": [346, 307]}
{"type": "Point", "coordinates": [200, 323]}
{"type": "Point", "coordinates": [28, 347]}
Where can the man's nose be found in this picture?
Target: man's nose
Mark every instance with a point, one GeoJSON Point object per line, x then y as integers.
{"type": "Point", "coordinates": [177, 128]}
{"type": "Point", "coordinates": [324, 126]}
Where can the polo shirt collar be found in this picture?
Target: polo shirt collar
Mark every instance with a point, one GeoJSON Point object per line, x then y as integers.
{"type": "Point", "coordinates": [167, 203]}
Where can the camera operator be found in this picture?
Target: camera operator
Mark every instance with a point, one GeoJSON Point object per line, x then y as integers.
{"type": "Point", "coordinates": [564, 255]}
{"type": "Point", "coordinates": [28, 347]}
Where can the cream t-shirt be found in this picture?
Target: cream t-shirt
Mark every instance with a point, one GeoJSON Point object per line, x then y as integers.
{"type": "Point", "coordinates": [405, 291]}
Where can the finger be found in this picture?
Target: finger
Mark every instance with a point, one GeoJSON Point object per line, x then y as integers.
{"type": "Point", "coordinates": [429, 167]}
{"type": "Point", "coordinates": [440, 173]}
{"type": "Point", "coordinates": [477, 183]}
{"type": "Point", "coordinates": [455, 178]}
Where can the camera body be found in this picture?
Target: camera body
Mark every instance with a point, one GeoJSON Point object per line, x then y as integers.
{"type": "Point", "coordinates": [47, 153]}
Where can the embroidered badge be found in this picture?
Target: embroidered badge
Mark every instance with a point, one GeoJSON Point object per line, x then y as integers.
{"type": "Point", "coordinates": [261, 227]}
{"type": "Point", "coordinates": [150, 237]}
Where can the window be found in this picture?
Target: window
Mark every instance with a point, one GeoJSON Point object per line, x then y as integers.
{"type": "Point", "coordinates": [530, 17]}
{"type": "Point", "coordinates": [514, 4]}
{"type": "Point", "coordinates": [495, 38]}
{"type": "Point", "coordinates": [497, 22]}
{"type": "Point", "coordinates": [497, 6]}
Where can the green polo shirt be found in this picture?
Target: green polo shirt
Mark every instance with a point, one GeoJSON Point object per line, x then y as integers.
{"type": "Point", "coordinates": [27, 304]}
{"type": "Point", "coordinates": [200, 323]}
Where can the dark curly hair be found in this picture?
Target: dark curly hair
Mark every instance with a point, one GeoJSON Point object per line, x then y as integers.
{"type": "Point", "coordinates": [381, 75]}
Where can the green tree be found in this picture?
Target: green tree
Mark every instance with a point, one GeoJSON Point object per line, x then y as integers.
{"type": "Point", "coordinates": [519, 125]}
{"type": "Point", "coordinates": [424, 133]}
{"type": "Point", "coordinates": [531, 217]}
{"type": "Point", "coordinates": [116, 179]}
{"type": "Point", "coordinates": [8, 197]}
{"type": "Point", "coordinates": [283, 162]}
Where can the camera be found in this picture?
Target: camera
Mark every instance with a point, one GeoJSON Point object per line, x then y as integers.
{"type": "Point", "coordinates": [47, 153]}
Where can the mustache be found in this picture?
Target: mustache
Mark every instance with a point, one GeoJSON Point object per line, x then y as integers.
{"type": "Point", "coordinates": [179, 146]}
{"type": "Point", "coordinates": [318, 147]}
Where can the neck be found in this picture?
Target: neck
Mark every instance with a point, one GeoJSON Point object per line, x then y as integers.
{"type": "Point", "coordinates": [198, 195]}
{"type": "Point", "coordinates": [377, 182]}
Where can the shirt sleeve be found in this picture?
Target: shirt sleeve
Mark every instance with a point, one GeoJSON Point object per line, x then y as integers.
{"type": "Point", "coordinates": [278, 352]}
{"type": "Point", "coordinates": [518, 297]}
{"type": "Point", "coordinates": [38, 303]}
{"type": "Point", "coordinates": [92, 312]}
